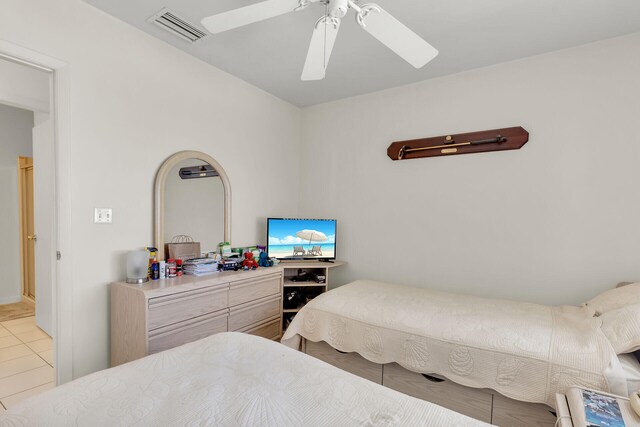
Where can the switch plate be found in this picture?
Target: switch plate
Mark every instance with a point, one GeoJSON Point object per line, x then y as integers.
{"type": "Point", "coordinates": [103, 216]}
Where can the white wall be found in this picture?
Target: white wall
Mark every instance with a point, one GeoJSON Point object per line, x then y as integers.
{"type": "Point", "coordinates": [134, 101]}
{"type": "Point", "coordinates": [194, 207]}
{"type": "Point", "coordinates": [555, 222]}
{"type": "Point", "coordinates": [15, 141]}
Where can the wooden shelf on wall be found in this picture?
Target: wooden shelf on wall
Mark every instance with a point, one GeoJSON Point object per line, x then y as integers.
{"type": "Point", "coordinates": [463, 143]}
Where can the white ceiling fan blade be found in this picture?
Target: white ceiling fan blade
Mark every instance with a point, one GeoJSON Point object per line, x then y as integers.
{"type": "Point", "coordinates": [248, 15]}
{"type": "Point", "coordinates": [396, 36]}
{"type": "Point", "coordinates": [322, 41]}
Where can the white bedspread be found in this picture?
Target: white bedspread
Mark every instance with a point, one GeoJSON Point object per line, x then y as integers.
{"type": "Point", "coordinates": [525, 351]}
{"type": "Point", "coordinates": [229, 379]}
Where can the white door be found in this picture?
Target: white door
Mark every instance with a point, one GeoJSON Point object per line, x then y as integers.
{"type": "Point", "coordinates": [44, 220]}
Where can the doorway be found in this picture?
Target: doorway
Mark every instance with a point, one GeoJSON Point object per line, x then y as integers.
{"type": "Point", "coordinates": [60, 215]}
{"type": "Point", "coordinates": [27, 165]}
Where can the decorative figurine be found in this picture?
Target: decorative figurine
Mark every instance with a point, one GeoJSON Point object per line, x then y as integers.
{"type": "Point", "coordinates": [249, 262]}
{"type": "Point", "coordinates": [264, 260]}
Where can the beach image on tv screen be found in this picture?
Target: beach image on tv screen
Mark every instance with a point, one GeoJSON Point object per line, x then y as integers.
{"type": "Point", "coordinates": [302, 238]}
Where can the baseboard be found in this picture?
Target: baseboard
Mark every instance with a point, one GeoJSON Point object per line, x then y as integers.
{"type": "Point", "coordinates": [29, 301]}
{"type": "Point", "coordinates": [10, 300]}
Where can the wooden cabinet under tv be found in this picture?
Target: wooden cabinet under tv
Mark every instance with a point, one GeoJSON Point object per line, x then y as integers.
{"type": "Point", "coordinates": [309, 288]}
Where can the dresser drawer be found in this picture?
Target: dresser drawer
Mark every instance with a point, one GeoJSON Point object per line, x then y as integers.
{"type": "Point", "coordinates": [187, 331]}
{"type": "Point", "coordinates": [254, 312]}
{"type": "Point", "coordinates": [170, 309]}
{"type": "Point", "coordinates": [269, 330]}
{"type": "Point", "coordinates": [350, 362]}
{"type": "Point", "coordinates": [243, 291]}
{"type": "Point", "coordinates": [475, 403]}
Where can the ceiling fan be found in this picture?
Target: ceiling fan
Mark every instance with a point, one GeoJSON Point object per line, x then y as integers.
{"type": "Point", "coordinates": [371, 17]}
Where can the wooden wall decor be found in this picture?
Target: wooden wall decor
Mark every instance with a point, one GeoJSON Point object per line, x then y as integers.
{"type": "Point", "coordinates": [463, 143]}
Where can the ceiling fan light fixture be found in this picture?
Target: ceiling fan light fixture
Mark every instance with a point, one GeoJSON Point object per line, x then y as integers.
{"type": "Point", "coordinates": [338, 8]}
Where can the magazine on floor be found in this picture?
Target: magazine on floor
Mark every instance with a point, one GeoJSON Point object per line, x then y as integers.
{"type": "Point", "coordinates": [598, 409]}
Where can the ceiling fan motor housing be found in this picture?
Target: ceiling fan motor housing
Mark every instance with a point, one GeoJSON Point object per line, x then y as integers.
{"type": "Point", "coordinates": [338, 8]}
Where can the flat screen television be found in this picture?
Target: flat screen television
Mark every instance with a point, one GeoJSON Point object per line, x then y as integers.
{"type": "Point", "coordinates": [295, 238]}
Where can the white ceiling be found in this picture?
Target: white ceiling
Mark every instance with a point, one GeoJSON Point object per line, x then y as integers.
{"type": "Point", "coordinates": [468, 33]}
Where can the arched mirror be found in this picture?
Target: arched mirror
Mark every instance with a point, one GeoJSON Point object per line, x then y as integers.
{"type": "Point", "coordinates": [192, 197]}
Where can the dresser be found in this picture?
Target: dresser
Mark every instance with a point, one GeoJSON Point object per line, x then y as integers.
{"type": "Point", "coordinates": [162, 314]}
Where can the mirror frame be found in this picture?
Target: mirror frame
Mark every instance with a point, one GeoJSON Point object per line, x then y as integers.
{"type": "Point", "coordinates": [159, 187]}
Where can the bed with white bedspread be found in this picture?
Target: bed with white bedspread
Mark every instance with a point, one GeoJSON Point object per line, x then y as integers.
{"type": "Point", "coordinates": [524, 351]}
{"type": "Point", "coordinates": [228, 379]}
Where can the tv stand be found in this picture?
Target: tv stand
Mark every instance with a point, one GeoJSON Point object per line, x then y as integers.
{"type": "Point", "coordinates": [307, 288]}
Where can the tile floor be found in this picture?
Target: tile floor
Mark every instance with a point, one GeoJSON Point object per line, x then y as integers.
{"type": "Point", "coordinates": [26, 361]}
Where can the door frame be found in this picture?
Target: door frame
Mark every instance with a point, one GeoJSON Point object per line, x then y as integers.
{"type": "Point", "coordinates": [62, 278]}
{"type": "Point", "coordinates": [23, 164]}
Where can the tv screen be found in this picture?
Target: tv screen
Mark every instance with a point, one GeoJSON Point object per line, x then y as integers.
{"type": "Point", "coordinates": [290, 238]}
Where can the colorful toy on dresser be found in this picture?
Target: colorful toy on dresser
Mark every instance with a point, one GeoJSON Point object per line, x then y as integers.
{"type": "Point", "coordinates": [264, 261]}
{"type": "Point", "coordinates": [249, 262]}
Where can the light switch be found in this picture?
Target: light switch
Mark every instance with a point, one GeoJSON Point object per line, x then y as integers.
{"type": "Point", "coordinates": [103, 216]}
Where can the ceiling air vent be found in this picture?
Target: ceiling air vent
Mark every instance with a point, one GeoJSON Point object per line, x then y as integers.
{"type": "Point", "coordinates": [176, 25]}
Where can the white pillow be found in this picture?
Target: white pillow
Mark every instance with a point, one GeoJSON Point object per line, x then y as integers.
{"type": "Point", "coordinates": [616, 298]}
{"type": "Point", "coordinates": [622, 328]}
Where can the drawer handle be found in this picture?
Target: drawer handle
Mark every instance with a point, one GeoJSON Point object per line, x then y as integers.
{"type": "Point", "coordinates": [185, 296]}
{"type": "Point", "coordinates": [186, 324]}
{"type": "Point", "coordinates": [432, 379]}
{"type": "Point", "coordinates": [254, 327]}
{"type": "Point", "coordinates": [255, 303]}
{"type": "Point", "coordinates": [245, 282]}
